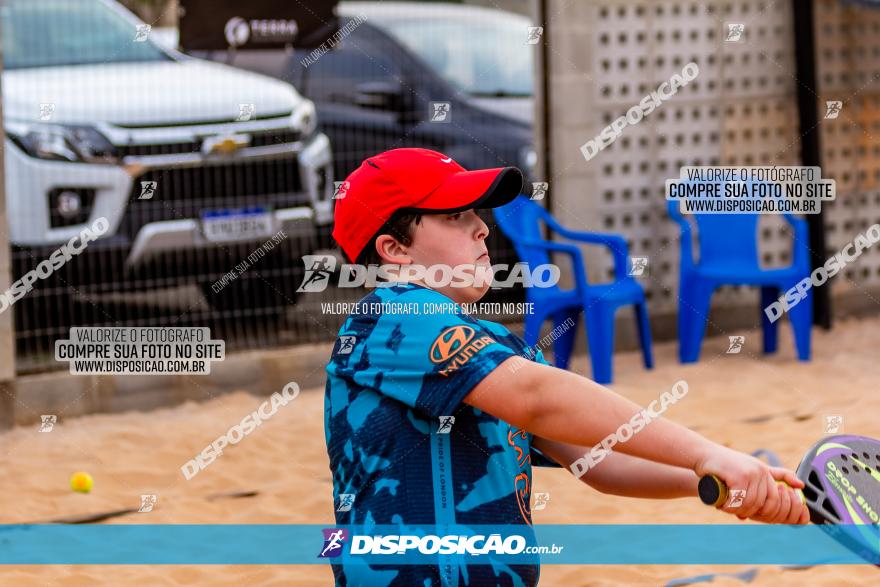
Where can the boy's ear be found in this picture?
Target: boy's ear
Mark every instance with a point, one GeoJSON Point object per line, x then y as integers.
{"type": "Point", "coordinates": [391, 251]}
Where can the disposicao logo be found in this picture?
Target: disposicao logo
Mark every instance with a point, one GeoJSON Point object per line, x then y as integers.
{"type": "Point", "coordinates": [333, 540]}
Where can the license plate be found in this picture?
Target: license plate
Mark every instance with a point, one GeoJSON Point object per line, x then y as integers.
{"type": "Point", "coordinates": [236, 224]}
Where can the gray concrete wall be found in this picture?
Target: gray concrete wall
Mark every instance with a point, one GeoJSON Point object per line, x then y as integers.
{"type": "Point", "coordinates": [572, 117]}
{"type": "Point", "coordinates": [7, 338]}
{"type": "Point", "coordinates": [68, 396]}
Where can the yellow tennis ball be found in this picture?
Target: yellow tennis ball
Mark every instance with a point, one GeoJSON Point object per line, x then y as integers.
{"type": "Point", "coordinates": [82, 482]}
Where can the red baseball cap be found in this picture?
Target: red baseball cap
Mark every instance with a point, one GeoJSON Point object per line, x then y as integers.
{"type": "Point", "coordinates": [413, 180]}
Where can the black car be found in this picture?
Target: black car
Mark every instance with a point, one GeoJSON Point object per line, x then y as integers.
{"type": "Point", "coordinates": [404, 64]}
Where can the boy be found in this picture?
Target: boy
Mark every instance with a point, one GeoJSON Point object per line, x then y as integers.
{"type": "Point", "coordinates": [395, 378]}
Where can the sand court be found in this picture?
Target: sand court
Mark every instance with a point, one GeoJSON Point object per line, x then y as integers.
{"type": "Point", "coordinates": [279, 473]}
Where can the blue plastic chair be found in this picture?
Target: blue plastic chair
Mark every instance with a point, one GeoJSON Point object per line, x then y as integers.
{"type": "Point", "coordinates": [520, 221]}
{"type": "Point", "coordinates": [729, 256]}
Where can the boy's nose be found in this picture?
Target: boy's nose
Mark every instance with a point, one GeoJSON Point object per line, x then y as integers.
{"type": "Point", "coordinates": [482, 229]}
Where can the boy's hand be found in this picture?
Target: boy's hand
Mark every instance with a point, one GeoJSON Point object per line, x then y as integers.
{"type": "Point", "coordinates": [764, 500]}
{"type": "Point", "coordinates": [791, 510]}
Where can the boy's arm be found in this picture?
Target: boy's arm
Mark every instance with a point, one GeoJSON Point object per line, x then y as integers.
{"type": "Point", "coordinates": [628, 476]}
{"type": "Point", "coordinates": [562, 406]}
{"type": "Point", "coordinates": [624, 475]}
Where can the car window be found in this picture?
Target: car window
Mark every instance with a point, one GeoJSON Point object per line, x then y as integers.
{"type": "Point", "coordinates": [45, 33]}
{"type": "Point", "coordinates": [333, 76]}
{"type": "Point", "coordinates": [481, 57]}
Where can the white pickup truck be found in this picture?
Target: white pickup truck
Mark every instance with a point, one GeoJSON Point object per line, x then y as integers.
{"type": "Point", "coordinates": [193, 163]}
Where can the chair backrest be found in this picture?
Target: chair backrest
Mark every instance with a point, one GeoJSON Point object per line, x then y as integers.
{"type": "Point", "coordinates": [729, 238]}
{"type": "Point", "coordinates": [521, 219]}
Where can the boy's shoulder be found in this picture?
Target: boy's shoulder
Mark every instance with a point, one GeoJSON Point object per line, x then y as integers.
{"type": "Point", "coordinates": [407, 300]}
{"type": "Point", "coordinates": [419, 313]}
{"type": "Point", "coordinates": [495, 328]}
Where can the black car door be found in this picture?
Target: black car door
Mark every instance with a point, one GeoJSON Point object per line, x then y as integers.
{"type": "Point", "coordinates": [364, 103]}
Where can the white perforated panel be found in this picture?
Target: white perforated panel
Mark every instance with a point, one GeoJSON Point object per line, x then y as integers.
{"type": "Point", "coordinates": [740, 110]}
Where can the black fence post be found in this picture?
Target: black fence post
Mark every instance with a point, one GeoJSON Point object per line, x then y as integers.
{"type": "Point", "coordinates": [807, 96]}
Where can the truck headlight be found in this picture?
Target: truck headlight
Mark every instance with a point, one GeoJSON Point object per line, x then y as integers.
{"type": "Point", "coordinates": [305, 119]}
{"type": "Point", "coordinates": [57, 142]}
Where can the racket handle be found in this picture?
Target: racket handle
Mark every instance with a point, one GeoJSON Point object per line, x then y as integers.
{"type": "Point", "coordinates": [713, 491]}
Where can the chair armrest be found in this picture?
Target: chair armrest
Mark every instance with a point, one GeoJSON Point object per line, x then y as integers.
{"type": "Point", "coordinates": [801, 242]}
{"type": "Point", "coordinates": [577, 260]}
{"type": "Point", "coordinates": [615, 243]}
{"type": "Point", "coordinates": [687, 256]}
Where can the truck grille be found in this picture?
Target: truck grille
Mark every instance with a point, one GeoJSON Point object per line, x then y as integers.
{"type": "Point", "coordinates": [183, 193]}
{"type": "Point", "coordinates": [258, 139]}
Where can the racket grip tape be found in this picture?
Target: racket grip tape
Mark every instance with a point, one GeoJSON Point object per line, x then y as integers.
{"type": "Point", "coordinates": [713, 491]}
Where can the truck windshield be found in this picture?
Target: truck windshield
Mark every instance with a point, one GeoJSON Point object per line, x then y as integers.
{"type": "Point", "coordinates": [47, 33]}
{"type": "Point", "coordinates": [481, 57]}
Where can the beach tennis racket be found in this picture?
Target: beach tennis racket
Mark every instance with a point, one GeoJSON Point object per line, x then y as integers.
{"type": "Point", "coordinates": [841, 475]}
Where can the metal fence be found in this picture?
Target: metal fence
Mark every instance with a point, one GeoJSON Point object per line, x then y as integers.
{"type": "Point", "coordinates": [215, 177]}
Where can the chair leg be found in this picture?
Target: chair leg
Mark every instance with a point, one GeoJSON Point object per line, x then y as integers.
{"type": "Point", "coordinates": [566, 331]}
{"type": "Point", "coordinates": [600, 335]}
{"type": "Point", "coordinates": [801, 318]}
{"type": "Point", "coordinates": [644, 328]}
{"type": "Point", "coordinates": [693, 314]}
{"type": "Point", "coordinates": [769, 294]}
